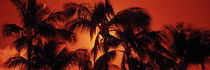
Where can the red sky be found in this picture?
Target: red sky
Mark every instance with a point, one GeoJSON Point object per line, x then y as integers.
{"type": "Point", "coordinates": [196, 12]}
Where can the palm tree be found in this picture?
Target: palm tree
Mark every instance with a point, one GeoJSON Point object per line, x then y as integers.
{"type": "Point", "coordinates": [35, 25]}
{"type": "Point", "coordinates": [104, 18]}
{"type": "Point", "coordinates": [144, 43]}
{"type": "Point", "coordinates": [48, 57]}
{"type": "Point", "coordinates": [190, 45]}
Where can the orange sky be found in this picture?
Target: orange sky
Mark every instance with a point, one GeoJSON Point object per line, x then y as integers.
{"type": "Point", "coordinates": [162, 12]}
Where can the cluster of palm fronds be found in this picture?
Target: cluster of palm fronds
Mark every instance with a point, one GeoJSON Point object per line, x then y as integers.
{"type": "Point", "coordinates": [143, 49]}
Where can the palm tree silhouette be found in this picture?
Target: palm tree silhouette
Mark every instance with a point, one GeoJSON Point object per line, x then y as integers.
{"type": "Point", "coordinates": [145, 44]}
{"type": "Point", "coordinates": [35, 25]}
{"type": "Point", "coordinates": [190, 45]}
{"type": "Point", "coordinates": [48, 57]}
{"type": "Point", "coordinates": [104, 18]}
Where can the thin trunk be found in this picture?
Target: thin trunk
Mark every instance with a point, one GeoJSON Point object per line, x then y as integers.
{"type": "Point", "coordinates": [32, 10]}
{"type": "Point", "coordinates": [129, 62]}
{"type": "Point", "coordinates": [106, 51]}
{"type": "Point", "coordinates": [106, 63]}
{"type": "Point", "coordinates": [123, 62]}
{"type": "Point", "coordinates": [203, 66]}
{"type": "Point", "coordinates": [128, 54]}
{"type": "Point", "coordinates": [106, 66]}
{"type": "Point", "coordinates": [29, 54]}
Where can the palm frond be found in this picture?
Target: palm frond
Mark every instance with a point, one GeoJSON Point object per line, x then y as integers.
{"type": "Point", "coordinates": [12, 30]}
{"type": "Point", "coordinates": [85, 65]}
{"type": "Point", "coordinates": [154, 38]}
{"type": "Point", "coordinates": [96, 48]}
{"type": "Point", "coordinates": [55, 16]}
{"type": "Point", "coordinates": [69, 9]}
{"type": "Point", "coordinates": [67, 35]}
{"type": "Point", "coordinates": [99, 13]}
{"type": "Point", "coordinates": [17, 60]}
{"type": "Point", "coordinates": [83, 11]}
{"type": "Point", "coordinates": [125, 36]}
{"type": "Point", "coordinates": [22, 8]}
{"type": "Point", "coordinates": [42, 11]}
{"type": "Point", "coordinates": [113, 41]}
{"type": "Point", "coordinates": [132, 18]}
{"type": "Point", "coordinates": [101, 61]}
{"type": "Point", "coordinates": [109, 8]}
{"type": "Point", "coordinates": [84, 62]}
{"type": "Point", "coordinates": [78, 23]}
{"type": "Point", "coordinates": [21, 43]}
{"type": "Point", "coordinates": [162, 61]}
{"type": "Point", "coordinates": [50, 49]}
{"type": "Point", "coordinates": [46, 30]}
{"type": "Point", "coordinates": [64, 58]}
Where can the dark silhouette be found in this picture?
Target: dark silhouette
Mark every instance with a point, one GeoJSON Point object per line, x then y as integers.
{"type": "Point", "coordinates": [105, 19]}
{"type": "Point", "coordinates": [35, 26]}
{"type": "Point", "coordinates": [49, 58]}
{"type": "Point", "coordinates": [190, 45]}
{"type": "Point", "coordinates": [98, 18]}
{"type": "Point", "coordinates": [143, 49]}
{"type": "Point", "coordinates": [144, 44]}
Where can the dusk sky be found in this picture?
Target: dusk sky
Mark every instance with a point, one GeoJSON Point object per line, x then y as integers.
{"type": "Point", "coordinates": [163, 12]}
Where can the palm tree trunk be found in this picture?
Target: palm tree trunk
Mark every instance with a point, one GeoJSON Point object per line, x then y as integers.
{"type": "Point", "coordinates": [129, 62]}
{"type": "Point", "coordinates": [123, 62]}
{"type": "Point", "coordinates": [106, 66]}
{"type": "Point", "coordinates": [32, 10]}
{"type": "Point", "coordinates": [128, 54]}
{"type": "Point", "coordinates": [203, 66]}
{"type": "Point", "coordinates": [29, 54]}
{"type": "Point", "coordinates": [106, 51]}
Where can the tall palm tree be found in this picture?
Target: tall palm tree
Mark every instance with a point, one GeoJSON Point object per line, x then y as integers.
{"type": "Point", "coordinates": [36, 19]}
{"type": "Point", "coordinates": [190, 45]}
{"type": "Point", "coordinates": [104, 18]}
{"type": "Point", "coordinates": [49, 57]}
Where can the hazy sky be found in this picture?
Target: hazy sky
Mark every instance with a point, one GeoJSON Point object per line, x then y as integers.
{"type": "Point", "coordinates": [162, 12]}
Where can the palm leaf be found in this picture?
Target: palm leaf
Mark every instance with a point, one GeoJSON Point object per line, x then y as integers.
{"type": "Point", "coordinates": [46, 30]}
{"type": "Point", "coordinates": [67, 35]}
{"type": "Point", "coordinates": [69, 9]}
{"type": "Point", "coordinates": [12, 30]}
{"type": "Point", "coordinates": [55, 16]}
{"type": "Point", "coordinates": [21, 6]}
{"type": "Point", "coordinates": [162, 61]}
{"type": "Point", "coordinates": [96, 48]}
{"type": "Point", "coordinates": [21, 43]}
{"type": "Point", "coordinates": [99, 13]}
{"type": "Point", "coordinates": [78, 23]}
{"type": "Point", "coordinates": [113, 41]}
{"type": "Point", "coordinates": [85, 65]}
{"type": "Point", "coordinates": [84, 62]}
{"type": "Point", "coordinates": [64, 58]}
{"type": "Point", "coordinates": [109, 8]}
{"type": "Point", "coordinates": [154, 38]}
{"type": "Point", "coordinates": [42, 11]}
{"type": "Point", "coordinates": [131, 18]}
{"type": "Point", "coordinates": [83, 11]}
{"type": "Point", "coordinates": [17, 60]}
{"type": "Point", "coordinates": [107, 57]}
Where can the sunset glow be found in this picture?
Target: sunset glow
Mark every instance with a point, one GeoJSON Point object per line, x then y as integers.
{"type": "Point", "coordinates": [195, 13]}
